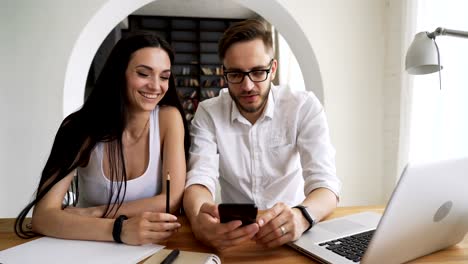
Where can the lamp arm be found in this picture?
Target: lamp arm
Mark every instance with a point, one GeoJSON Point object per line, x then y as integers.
{"type": "Point", "coordinates": [449, 32]}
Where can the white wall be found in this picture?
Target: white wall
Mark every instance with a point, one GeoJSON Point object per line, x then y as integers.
{"type": "Point", "coordinates": [38, 39]}
{"type": "Point", "coordinates": [348, 39]}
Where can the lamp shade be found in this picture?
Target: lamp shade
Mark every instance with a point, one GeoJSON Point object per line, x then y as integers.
{"type": "Point", "coordinates": [421, 57]}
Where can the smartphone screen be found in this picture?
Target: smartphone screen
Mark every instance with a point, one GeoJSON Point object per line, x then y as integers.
{"type": "Point", "coordinates": [247, 213]}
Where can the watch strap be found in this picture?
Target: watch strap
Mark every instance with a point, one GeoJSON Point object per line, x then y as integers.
{"type": "Point", "coordinates": [306, 215]}
{"type": "Point", "coordinates": [117, 229]}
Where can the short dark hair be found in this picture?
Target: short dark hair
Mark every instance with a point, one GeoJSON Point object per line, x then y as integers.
{"type": "Point", "coordinates": [245, 30]}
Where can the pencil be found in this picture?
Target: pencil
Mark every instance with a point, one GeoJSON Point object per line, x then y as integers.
{"type": "Point", "coordinates": [171, 257]}
{"type": "Point", "coordinates": [168, 191]}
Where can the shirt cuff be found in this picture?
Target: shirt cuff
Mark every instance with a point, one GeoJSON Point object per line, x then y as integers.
{"type": "Point", "coordinates": [204, 181]}
{"type": "Point", "coordinates": [333, 188]}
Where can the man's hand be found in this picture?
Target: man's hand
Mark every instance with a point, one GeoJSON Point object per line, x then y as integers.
{"type": "Point", "coordinates": [280, 225]}
{"type": "Point", "coordinates": [207, 228]}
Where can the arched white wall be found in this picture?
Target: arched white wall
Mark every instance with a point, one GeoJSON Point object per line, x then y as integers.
{"type": "Point", "coordinates": [38, 49]}
{"type": "Point", "coordinates": [45, 60]}
{"type": "Point", "coordinates": [91, 36]}
{"type": "Point", "coordinates": [114, 11]}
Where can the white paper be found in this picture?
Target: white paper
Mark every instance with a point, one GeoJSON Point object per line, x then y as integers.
{"type": "Point", "coordinates": [49, 250]}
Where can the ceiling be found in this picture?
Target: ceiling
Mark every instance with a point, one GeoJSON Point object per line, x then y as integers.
{"type": "Point", "coordinates": [196, 8]}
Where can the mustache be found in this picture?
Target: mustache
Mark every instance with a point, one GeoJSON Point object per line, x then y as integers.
{"type": "Point", "coordinates": [249, 93]}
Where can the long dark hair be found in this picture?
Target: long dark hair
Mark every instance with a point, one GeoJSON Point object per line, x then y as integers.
{"type": "Point", "coordinates": [102, 118]}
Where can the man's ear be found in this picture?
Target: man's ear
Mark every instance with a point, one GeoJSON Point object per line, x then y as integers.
{"type": "Point", "coordinates": [274, 67]}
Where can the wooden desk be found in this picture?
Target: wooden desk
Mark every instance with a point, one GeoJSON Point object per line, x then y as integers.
{"type": "Point", "coordinates": [250, 252]}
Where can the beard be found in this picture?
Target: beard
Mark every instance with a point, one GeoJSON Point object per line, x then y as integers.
{"type": "Point", "coordinates": [253, 108]}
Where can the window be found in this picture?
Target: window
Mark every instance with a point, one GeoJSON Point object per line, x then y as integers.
{"type": "Point", "coordinates": [439, 120]}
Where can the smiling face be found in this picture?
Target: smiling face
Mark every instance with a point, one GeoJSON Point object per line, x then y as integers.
{"type": "Point", "coordinates": [250, 97]}
{"type": "Point", "coordinates": [147, 76]}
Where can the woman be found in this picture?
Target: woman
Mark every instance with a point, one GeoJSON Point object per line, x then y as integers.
{"type": "Point", "coordinates": [115, 149]}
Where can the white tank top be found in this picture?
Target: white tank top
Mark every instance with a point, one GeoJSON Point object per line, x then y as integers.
{"type": "Point", "coordinates": [94, 187]}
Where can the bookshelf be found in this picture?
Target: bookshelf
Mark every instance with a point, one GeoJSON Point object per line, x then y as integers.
{"type": "Point", "coordinates": [197, 69]}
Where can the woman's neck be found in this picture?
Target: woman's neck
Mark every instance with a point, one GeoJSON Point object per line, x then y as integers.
{"type": "Point", "coordinates": [137, 127]}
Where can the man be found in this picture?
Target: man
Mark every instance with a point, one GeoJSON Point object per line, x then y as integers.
{"type": "Point", "coordinates": [266, 145]}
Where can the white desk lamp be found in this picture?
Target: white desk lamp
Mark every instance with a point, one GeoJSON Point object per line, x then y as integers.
{"type": "Point", "coordinates": [423, 54]}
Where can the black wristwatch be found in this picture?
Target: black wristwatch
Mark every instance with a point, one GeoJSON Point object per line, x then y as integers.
{"type": "Point", "coordinates": [307, 215]}
{"type": "Point", "coordinates": [117, 229]}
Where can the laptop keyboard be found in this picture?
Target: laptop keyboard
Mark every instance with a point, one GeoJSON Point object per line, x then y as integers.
{"type": "Point", "coordinates": [351, 247]}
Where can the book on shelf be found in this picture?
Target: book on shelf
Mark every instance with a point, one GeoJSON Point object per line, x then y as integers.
{"type": "Point", "coordinates": [212, 71]}
{"type": "Point", "coordinates": [206, 71]}
{"type": "Point", "coordinates": [185, 82]}
{"type": "Point", "coordinates": [210, 93]}
{"type": "Point", "coordinates": [186, 71]}
{"type": "Point", "coordinates": [185, 257]}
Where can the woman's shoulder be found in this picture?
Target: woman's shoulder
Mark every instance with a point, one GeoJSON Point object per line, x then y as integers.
{"type": "Point", "coordinates": [168, 112]}
{"type": "Point", "coordinates": [169, 115]}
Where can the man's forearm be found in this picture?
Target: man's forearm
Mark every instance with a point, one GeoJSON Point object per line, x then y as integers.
{"type": "Point", "coordinates": [321, 202]}
{"type": "Point", "coordinates": [194, 197]}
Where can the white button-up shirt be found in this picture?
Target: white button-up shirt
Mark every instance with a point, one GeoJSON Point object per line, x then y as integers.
{"type": "Point", "coordinates": [284, 156]}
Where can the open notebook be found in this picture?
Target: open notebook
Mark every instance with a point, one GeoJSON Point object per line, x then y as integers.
{"type": "Point", "coordinates": [185, 257]}
{"type": "Point", "coordinates": [52, 250]}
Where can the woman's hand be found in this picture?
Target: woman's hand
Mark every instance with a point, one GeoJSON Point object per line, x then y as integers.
{"type": "Point", "coordinates": [148, 227]}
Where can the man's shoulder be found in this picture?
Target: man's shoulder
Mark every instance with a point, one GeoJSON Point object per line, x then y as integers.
{"type": "Point", "coordinates": [296, 98]}
{"type": "Point", "coordinates": [217, 108]}
{"type": "Point", "coordinates": [219, 102]}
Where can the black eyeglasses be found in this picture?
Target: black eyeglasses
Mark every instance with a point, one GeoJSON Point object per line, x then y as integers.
{"type": "Point", "coordinates": [236, 77]}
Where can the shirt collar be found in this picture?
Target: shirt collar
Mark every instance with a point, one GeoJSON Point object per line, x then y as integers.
{"type": "Point", "coordinates": [268, 113]}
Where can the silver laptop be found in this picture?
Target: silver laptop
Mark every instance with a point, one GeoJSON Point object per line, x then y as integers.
{"type": "Point", "coordinates": [428, 211]}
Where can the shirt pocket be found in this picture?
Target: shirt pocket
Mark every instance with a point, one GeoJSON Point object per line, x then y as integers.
{"type": "Point", "coordinates": [280, 149]}
{"type": "Point", "coordinates": [278, 140]}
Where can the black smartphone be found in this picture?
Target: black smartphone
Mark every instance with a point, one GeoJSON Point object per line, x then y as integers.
{"type": "Point", "coordinates": [247, 213]}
